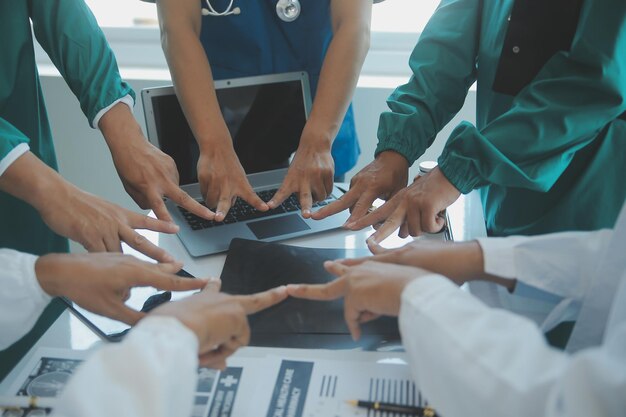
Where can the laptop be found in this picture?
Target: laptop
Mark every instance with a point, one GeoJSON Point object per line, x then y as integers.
{"type": "Point", "coordinates": [265, 116]}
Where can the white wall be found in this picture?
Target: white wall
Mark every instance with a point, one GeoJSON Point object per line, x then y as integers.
{"type": "Point", "coordinates": [84, 158]}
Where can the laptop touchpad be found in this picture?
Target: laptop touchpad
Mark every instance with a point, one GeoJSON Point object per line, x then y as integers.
{"type": "Point", "coordinates": [264, 229]}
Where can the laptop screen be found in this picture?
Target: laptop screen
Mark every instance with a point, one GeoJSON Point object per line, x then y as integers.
{"type": "Point", "coordinates": [265, 122]}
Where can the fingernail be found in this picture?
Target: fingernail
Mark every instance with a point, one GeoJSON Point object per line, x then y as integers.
{"type": "Point", "coordinates": [371, 241]}
{"type": "Point", "coordinates": [270, 203]}
{"type": "Point", "coordinates": [306, 213]}
{"type": "Point", "coordinates": [350, 225]}
{"type": "Point", "coordinates": [214, 279]}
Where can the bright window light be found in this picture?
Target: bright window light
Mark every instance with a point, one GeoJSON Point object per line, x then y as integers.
{"type": "Point", "coordinates": [388, 16]}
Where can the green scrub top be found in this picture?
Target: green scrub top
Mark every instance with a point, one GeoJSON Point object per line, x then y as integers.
{"type": "Point", "coordinates": [550, 158]}
{"type": "Point", "coordinates": [70, 35]}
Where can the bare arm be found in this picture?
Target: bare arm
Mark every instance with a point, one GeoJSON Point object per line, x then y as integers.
{"type": "Point", "coordinates": [312, 170]}
{"type": "Point", "coordinates": [220, 174]}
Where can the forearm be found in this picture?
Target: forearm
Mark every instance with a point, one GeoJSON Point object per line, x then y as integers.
{"type": "Point", "coordinates": [192, 76]}
{"type": "Point", "coordinates": [339, 75]}
{"type": "Point", "coordinates": [151, 373]}
{"type": "Point", "coordinates": [120, 129]}
{"type": "Point", "coordinates": [21, 298]}
{"type": "Point", "coordinates": [32, 181]}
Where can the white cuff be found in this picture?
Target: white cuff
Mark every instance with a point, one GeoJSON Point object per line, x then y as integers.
{"type": "Point", "coordinates": [499, 255]}
{"type": "Point", "coordinates": [15, 153]}
{"type": "Point", "coordinates": [127, 99]}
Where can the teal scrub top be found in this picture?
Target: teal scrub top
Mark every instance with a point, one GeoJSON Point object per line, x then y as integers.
{"type": "Point", "coordinates": [550, 158]}
{"type": "Point", "coordinates": [257, 42]}
{"type": "Point", "coordinates": [70, 35]}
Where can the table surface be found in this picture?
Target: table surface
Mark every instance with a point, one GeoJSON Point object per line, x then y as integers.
{"type": "Point", "coordinates": [465, 221]}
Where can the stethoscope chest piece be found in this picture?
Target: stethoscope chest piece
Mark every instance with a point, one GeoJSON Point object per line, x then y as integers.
{"type": "Point", "coordinates": [288, 10]}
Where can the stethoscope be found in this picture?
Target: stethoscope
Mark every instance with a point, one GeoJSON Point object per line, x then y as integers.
{"type": "Point", "coordinates": [287, 10]}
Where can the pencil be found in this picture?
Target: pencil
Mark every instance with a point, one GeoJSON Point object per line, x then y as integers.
{"type": "Point", "coordinates": [9, 403]}
{"type": "Point", "coordinates": [395, 408]}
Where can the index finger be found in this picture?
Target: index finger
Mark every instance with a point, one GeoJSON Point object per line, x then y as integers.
{"type": "Point", "coordinates": [142, 244]}
{"type": "Point", "coordinates": [152, 277]}
{"type": "Point", "coordinates": [139, 221]}
{"type": "Point", "coordinates": [389, 226]}
{"type": "Point", "coordinates": [318, 292]}
{"type": "Point", "coordinates": [252, 198]}
{"type": "Point", "coordinates": [344, 202]}
{"type": "Point", "coordinates": [281, 195]}
{"type": "Point", "coordinates": [190, 204]}
{"type": "Point", "coordinates": [261, 300]}
{"type": "Point", "coordinates": [377, 216]}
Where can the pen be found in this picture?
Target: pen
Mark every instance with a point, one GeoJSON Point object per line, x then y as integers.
{"type": "Point", "coordinates": [395, 408]}
{"type": "Point", "coordinates": [8, 403]}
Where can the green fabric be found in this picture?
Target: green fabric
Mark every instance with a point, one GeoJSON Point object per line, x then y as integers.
{"type": "Point", "coordinates": [551, 158]}
{"type": "Point", "coordinates": [68, 32]}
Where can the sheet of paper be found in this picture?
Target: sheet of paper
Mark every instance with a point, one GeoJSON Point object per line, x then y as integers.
{"type": "Point", "coordinates": [261, 382]}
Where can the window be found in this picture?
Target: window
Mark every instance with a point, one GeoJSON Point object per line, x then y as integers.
{"type": "Point", "coordinates": [131, 27]}
{"type": "Point", "coordinates": [388, 16]}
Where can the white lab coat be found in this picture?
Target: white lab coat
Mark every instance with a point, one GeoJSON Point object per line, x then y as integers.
{"type": "Point", "coordinates": [470, 360]}
{"type": "Point", "coordinates": [153, 372]}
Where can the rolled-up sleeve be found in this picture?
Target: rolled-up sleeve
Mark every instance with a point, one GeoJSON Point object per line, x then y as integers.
{"type": "Point", "coordinates": [69, 33]}
{"type": "Point", "coordinates": [13, 144]}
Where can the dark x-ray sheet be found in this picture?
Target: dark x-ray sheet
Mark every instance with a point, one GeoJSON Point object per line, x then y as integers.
{"type": "Point", "coordinates": [253, 266]}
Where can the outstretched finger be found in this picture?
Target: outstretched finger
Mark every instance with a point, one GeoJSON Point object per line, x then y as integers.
{"type": "Point", "coordinates": [252, 198]}
{"type": "Point", "coordinates": [190, 204]}
{"type": "Point", "coordinates": [223, 206]}
{"type": "Point", "coordinates": [360, 210]}
{"type": "Point", "coordinates": [142, 244]}
{"type": "Point", "coordinates": [392, 223]}
{"type": "Point", "coordinates": [375, 248]}
{"type": "Point", "coordinates": [281, 195]}
{"type": "Point", "coordinates": [344, 202]}
{"type": "Point", "coordinates": [353, 261]}
{"type": "Point", "coordinates": [306, 201]}
{"type": "Point", "coordinates": [213, 285]}
{"type": "Point", "coordinates": [160, 211]}
{"type": "Point", "coordinates": [262, 300]}
{"type": "Point", "coordinates": [377, 216]}
{"type": "Point", "coordinates": [139, 221]}
{"type": "Point", "coordinates": [351, 315]}
{"type": "Point", "coordinates": [168, 282]}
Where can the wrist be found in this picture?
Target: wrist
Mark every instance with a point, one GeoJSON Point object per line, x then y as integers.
{"type": "Point", "coordinates": [48, 269]}
{"type": "Point", "coordinates": [120, 129]}
{"type": "Point", "coordinates": [319, 140]}
{"type": "Point", "coordinates": [393, 159]}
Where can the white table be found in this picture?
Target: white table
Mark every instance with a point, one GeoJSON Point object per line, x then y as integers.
{"type": "Point", "coordinates": [466, 220]}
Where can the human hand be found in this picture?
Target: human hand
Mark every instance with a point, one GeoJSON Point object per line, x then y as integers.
{"type": "Point", "coordinates": [370, 290]}
{"type": "Point", "coordinates": [414, 210]}
{"type": "Point", "coordinates": [461, 262]}
{"type": "Point", "coordinates": [382, 178]}
{"type": "Point", "coordinates": [100, 226]}
{"type": "Point", "coordinates": [222, 180]}
{"type": "Point", "coordinates": [101, 283]}
{"type": "Point", "coordinates": [220, 320]}
{"type": "Point", "coordinates": [310, 175]}
{"type": "Point", "coordinates": [147, 174]}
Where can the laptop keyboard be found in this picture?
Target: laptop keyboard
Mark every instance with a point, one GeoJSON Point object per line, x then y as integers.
{"type": "Point", "coordinates": [242, 211]}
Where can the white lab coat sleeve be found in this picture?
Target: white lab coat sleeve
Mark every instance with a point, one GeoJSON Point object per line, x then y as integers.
{"type": "Point", "coordinates": [558, 263]}
{"type": "Point", "coordinates": [472, 361]}
{"type": "Point", "coordinates": [21, 298]}
{"type": "Point", "coordinates": [151, 373]}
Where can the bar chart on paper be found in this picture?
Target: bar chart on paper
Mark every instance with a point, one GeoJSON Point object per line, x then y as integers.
{"type": "Point", "coordinates": [341, 381]}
